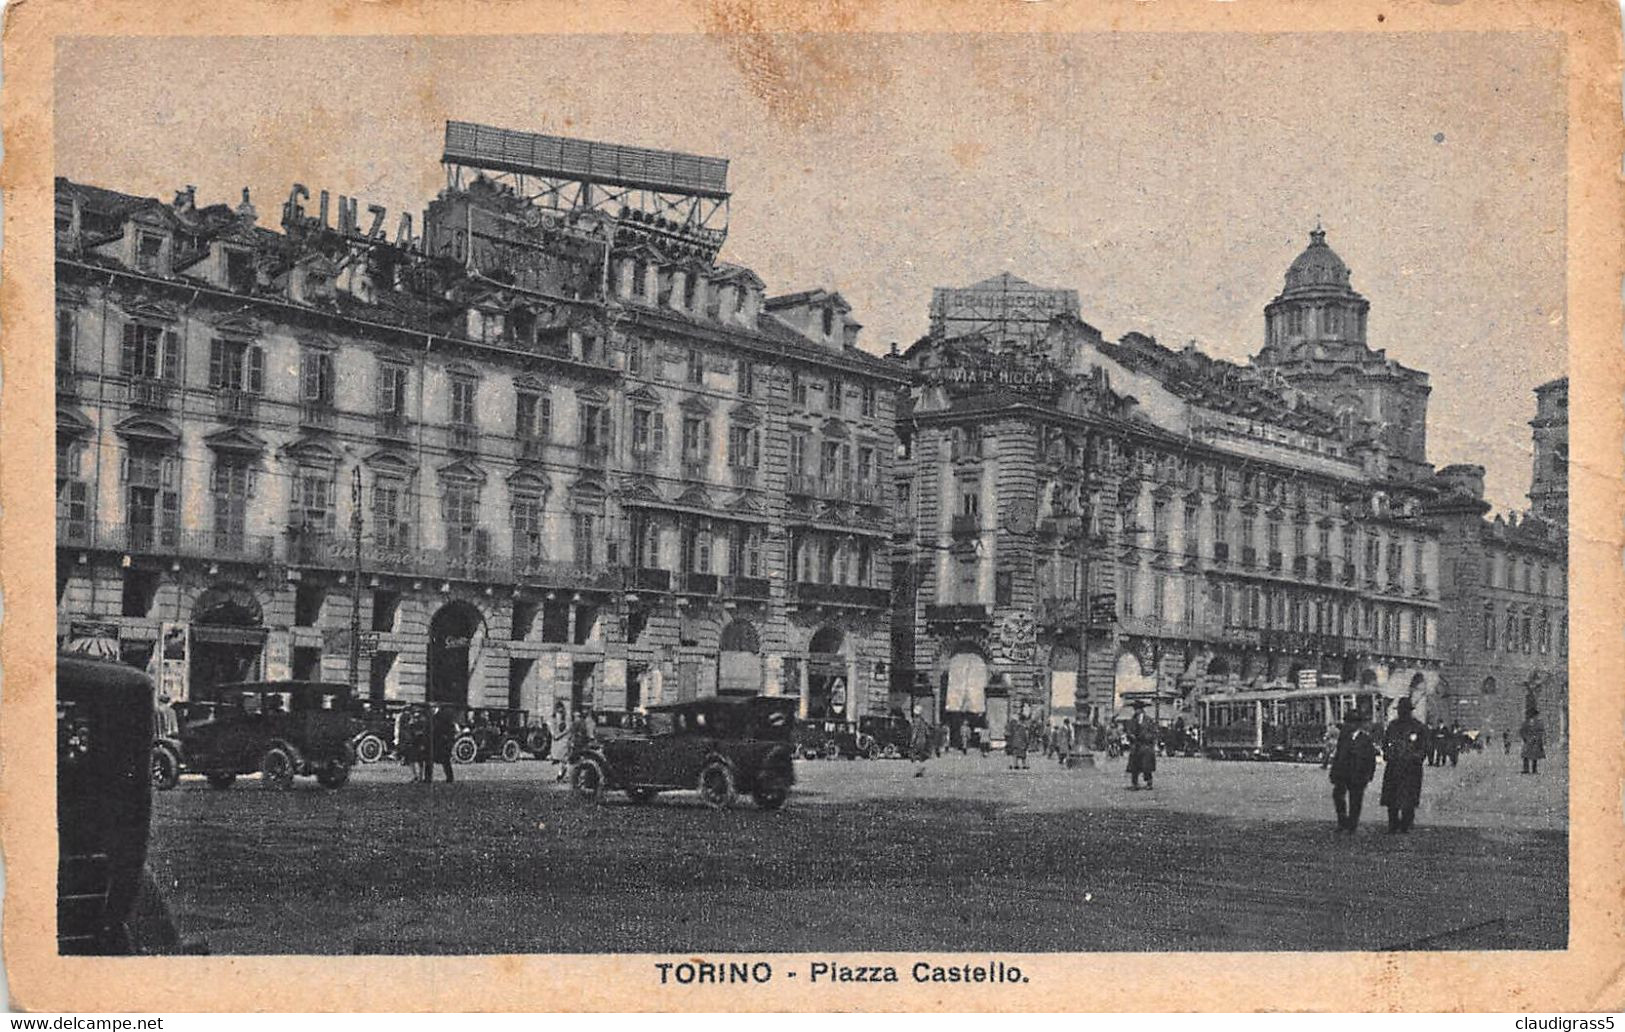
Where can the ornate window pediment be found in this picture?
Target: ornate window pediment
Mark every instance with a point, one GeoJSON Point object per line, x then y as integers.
{"type": "Point", "coordinates": [462, 472]}
{"type": "Point", "coordinates": [462, 369]}
{"type": "Point", "coordinates": [391, 462]}
{"type": "Point", "coordinates": [151, 430]}
{"type": "Point", "coordinates": [696, 497]}
{"type": "Point", "coordinates": [70, 422]}
{"type": "Point", "coordinates": [237, 326]}
{"type": "Point", "coordinates": [529, 483]}
{"type": "Point", "coordinates": [834, 428]}
{"type": "Point", "coordinates": [641, 489]}
{"type": "Point", "coordinates": [747, 505]}
{"type": "Point", "coordinates": [746, 415]}
{"type": "Point", "coordinates": [533, 383]}
{"type": "Point", "coordinates": [312, 451]}
{"type": "Point", "coordinates": [318, 342]}
{"type": "Point", "coordinates": [694, 403]}
{"type": "Point", "coordinates": [236, 440]}
{"type": "Point", "coordinates": [592, 395]}
{"type": "Point", "coordinates": [145, 310]}
{"type": "Point", "coordinates": [644, 396]}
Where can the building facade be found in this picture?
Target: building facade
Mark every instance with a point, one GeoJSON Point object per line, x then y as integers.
{"type": "Point", "coordinates": [1504, 583]}
{"type": "Point", "coordinates": [1168, 524]}
{"type": "Point", "coordinates": [541, 449]}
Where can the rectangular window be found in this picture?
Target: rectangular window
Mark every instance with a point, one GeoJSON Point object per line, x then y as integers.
{"type": "Point", "coordinates": [970, 499]}
{"type": "Point", "coordinates": [313, 509]}
{"type": "Point", "coordinates": [832, 395]}
{"type": "Point", "coordinates": [1003, 587]}
{"type": "Point", "coordinates": [463, 391]}
{"type": "Point", "coordinates": [1272, 535]}
{"type": "Point", "coordinates": [316, 378]}
{"type": "Point", "coordinates": [460, 506]}
{"type": "Point", "coordinates": [533, 415]}
{"type": "Point", "coordinates": [798, 454]}
{"type": "Point", "coordinates": [747, 377]}
{"type": "Point", "coordinates": [231, 484]}
{"type": "Point", "coordinates": [1159, 519]}
{"type": "Point", "coordinates": [1131, 577]}
{"type": "Point", "coordinates": [526, 516]}
{"type": "Point", "coordinates": [593, 426]}
{"type": "Point", "coordinates": [866, 465]}
{"type": "Point", "coordinates": [150, 353]}
{"type": "Point", "coordinates": [1221, 526]}
{"type": "Point", "coordinates": [696, 439]}
{"type": "Point", "coordinates": [1159, 597]}
{"type": "Point", "coordinates": [240, 275]}
{"type": "Point", "coordinates": [236, 366]}
{"type": "Point", "coordinates": [696, 367]}
{"type": "Point", "coordinates": [149, 252]}
{"type": "Point", "coordinates": [648, 432]}
{"type": "Point", "coordinates": [744, 447]}
{"type": "Point", "coordinates": [1190, 591]}
{"type": "Point", "coordinates": [798, 389]}
{"type": "Point", "coordinates": [968, 588]}
{"type": "Point", "coordinates": [1300, 540]}
{"type": "Point", "coordinates": [634, 355]}
{"type": "Point", "coordinates": [390, 528]}
{"type": "Point", "coordinates": [868, 404]}
{"type": "Point", "coordinates": [392, 385]}
{"type": "Point", "coordinates": [67, 330]}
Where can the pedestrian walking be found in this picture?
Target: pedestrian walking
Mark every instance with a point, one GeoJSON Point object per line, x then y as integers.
{"type": "Point", "coordinates": [1015, 743]}
{"type": "Point", "coordinates": [1328, 744]}
{"type": "Point", "coordinates": [442, 733]}
{"type": "Point", "coordinates": [1142, 748]}
{"type": "Point", "coordinates": [560, 754]}
{"type": "Point", "coordinates": [920, 737]}
{"type": "Point", "coordinates": [1533, 733]}
{"type": "Point", "coordinates": [1452, 744]}
{"type": "Point", "coordinates": [1064, 739]}
{"type": "Point", "coordinates": [1353, 765]}
{"type": "Point", "coordinates": [1506, 743]}
{"type": "Point", "coordinates": [1405, 746]}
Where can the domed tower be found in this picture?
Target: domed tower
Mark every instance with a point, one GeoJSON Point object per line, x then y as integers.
{"type": "Point", "coordinates": [1549, 487]}
{"type": "Point", "coordinates": [1315, 337]}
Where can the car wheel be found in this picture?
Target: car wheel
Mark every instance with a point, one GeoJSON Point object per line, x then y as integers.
{"type": "Point", "coordinates": [510, 751]}
{"type": "Point", "coordinates": [277, 768]}
{"type": "Point", "coordinates": [640, 795]}
{"type": "Point", "coordinates": [166, 768]}
{"type": "Point", "coordinates": [717, 786]}
{"type": "Point", "coordinates": [807, 752]}
{"type": "Point", "coordinates": [464, 750]}
{"type": "Point", "coordinates": [369, 748]}
{"type": "Point", "coordinates": [871, 751]}
{"type": "Point", "coordinates": [772, 790]}
{"type": "Point", "coordinates": [891, 751]}
{"type": "Point", "coordinates": [587, 781]}
{"type": "Point", "coordinates": [221, 780]}
{"type": "Point", "coordinates": [538, 743]}
{"type": "Point", "coordinates": [832, 750]}
{"type": "Point", "coordinates": [334, 774]}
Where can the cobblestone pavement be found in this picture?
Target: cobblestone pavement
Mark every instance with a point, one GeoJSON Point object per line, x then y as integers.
{"type": "Point", "coordinates": [968, 857]}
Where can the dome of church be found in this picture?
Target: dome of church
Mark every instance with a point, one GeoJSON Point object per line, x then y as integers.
{"type": "Point", "coordinates": [1317, 266]}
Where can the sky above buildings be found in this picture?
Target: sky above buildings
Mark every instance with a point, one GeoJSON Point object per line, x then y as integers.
{"type": "Point", "coordinates": [1169, 178]}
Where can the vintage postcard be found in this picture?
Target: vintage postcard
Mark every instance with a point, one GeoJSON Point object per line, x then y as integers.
{"type": "Point", "coordinates": [743, 504]}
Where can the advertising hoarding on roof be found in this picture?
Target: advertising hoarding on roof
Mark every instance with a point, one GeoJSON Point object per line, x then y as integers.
{"type": "Point", "coordinates": [508, 150]}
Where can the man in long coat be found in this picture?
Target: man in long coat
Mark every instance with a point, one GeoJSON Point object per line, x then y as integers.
{"type": "Point", "coordinates": [1405, 746]}
{"type": "Point", "coordinates": [442, 733]}
{"type": "Point", "coordinates": [1533, 733]}
{"type": "Point", "coordinates": [1142, 747]}
{"type": "Point", "coordinates": [1353, 765]}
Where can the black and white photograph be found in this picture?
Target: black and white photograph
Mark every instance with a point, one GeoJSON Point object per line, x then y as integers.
{"type": "Point", "coordinates": [963, 497]}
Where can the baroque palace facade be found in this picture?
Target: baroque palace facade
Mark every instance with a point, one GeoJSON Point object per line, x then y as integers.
{"type": "Point", "coordinates": [587, 463]}
{"type": "Point", "coordinates": [1169, 524]}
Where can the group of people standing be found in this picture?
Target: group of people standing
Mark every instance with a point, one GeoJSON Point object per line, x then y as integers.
{"type": "Point", "coordinates": [423, 737]}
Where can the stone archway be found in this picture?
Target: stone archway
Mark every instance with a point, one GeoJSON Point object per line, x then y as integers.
{"type": "Point", "coordinates": [227, 638]}
{"type": "Point", "coordinates": [829, 687]}
{"type": "Point", "coordinates": [739, 659]}
{"type": "Point", "coordinates": [456, 638]}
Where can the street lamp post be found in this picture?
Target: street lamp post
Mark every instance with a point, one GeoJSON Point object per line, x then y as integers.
{"type": "Point", "coordinates": [355, 588]}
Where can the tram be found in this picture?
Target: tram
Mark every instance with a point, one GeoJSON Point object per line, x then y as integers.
{"type": "Point", "coordinates": [1280, 725]}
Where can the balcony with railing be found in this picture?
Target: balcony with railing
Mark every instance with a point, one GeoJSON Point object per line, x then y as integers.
{"type": "Point", "coordinates": [1275, 561]}
{"type": "Point", "coordinates": [169, 541]}
{"type": "Point", "coordinates": [1323, 571]}
{"type": "Point", "coordinates": [694, 583]}
{"type": "Point", "coordinates": [958, 613]}
{"type": "Point", "coordinates": [232, 406]}
{"type": "Point", "coordinates": [155, 395]}
{"type": "Point", "coordinates": [1300, 566]}
{"type": "Point", "coordinates": [694, 468]}
{"type": "Point", "coordinates": [966, 524]}
{"type": "Point", "coordinates": [463, 437]}
{"type": "Point", "coordinates": [394, 426]}
{"type": "Point", "coordinates": [803, 484]}
{"type": "Point", "coordinates": [1060, 613]}
{"type": "Point", "coordinates": [1249, 556]}
{"type": "Point", "coordinates": [1348, 573]}
{"type": "Point", "coordinates": [746, 587]}
{"type": "Point", "coordinates": [593, 456]}
{"type": "Point", "coordinates": [744, 477]}
{"type": "Point", "coordinates": [648, 578]}
{"type": "Point", "coordinates": [1221, 553]}
{"type": "Point", "coordinates": [847, 595]}
{"type": "Point", "coordinates": [318, 415]}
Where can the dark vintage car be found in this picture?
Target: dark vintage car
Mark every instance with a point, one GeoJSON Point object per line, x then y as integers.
{"type": "Point", "coordinates": [887, 736]}
{"type": "Point", "coordinates": [375, 741]}
{"type": "Point", "coordinates": [721, 746]}
{"type": "Point", "coordinates": [834, 739]}
{"type": "Point", "coordinates": [486, 733]}
{"type": "Point", "coordinates": [106, 902]}
{"type": "Point", "coordinates": [282, 729]}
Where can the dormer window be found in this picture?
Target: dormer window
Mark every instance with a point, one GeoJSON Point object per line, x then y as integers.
{"type": "Point", "coordinates": [149, 253]}
{"type": "Point", "coordinates": [829, 321]}
{"type": "Point", "coordinates": [523, 324]}
{"type": "Point", "coordinates": [240, 275]}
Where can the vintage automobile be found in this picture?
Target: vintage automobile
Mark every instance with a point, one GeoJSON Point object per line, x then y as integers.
{"type": "Point", "coordinates": [887, 736]}
{"type": "Point", "coordinates": [721, 746]}
{"type": "Point", "coordinates": [282, 729]}
{"type": "Point", "coordinates": [106, 901]}
{"type": "Point", "coordinates": [833, 739]}
{"type": "Point", "coordinates": [489, 732]}
{"type": "Point", "coordinates": [376, 739]}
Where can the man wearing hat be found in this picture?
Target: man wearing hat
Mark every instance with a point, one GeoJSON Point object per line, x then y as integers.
{"type": "Point", "coordinates": [1404, 749]}
{"type": "Point", "coordinates": [1142, 750]}
{"type": "Point", "coordinates": [1353, 764]}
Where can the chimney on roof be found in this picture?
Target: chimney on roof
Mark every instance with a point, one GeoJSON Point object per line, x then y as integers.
{"type": "Point", "coordinates": [186, 200]}
{"type": "Point", "coordinates": [245, 210]}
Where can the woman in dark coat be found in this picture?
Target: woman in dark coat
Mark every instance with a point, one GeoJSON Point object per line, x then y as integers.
{"type": "Point", "coordinates": [1015, 743]}
{"type": "Point", "coordinates": [1405, 746]}
{"type": "Point", "coordinates": [1142, 748]}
